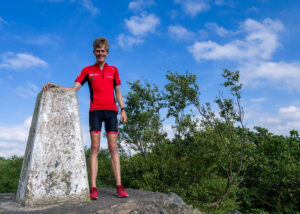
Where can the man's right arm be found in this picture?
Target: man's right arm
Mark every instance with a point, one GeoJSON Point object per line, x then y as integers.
{"type": "Point", "coordinates": [75, 87]}
{"type": "Point", "coordinates": [80, 80]}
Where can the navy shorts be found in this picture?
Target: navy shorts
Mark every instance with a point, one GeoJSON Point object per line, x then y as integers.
{"type": "Point", "coordinates": [109, 117]}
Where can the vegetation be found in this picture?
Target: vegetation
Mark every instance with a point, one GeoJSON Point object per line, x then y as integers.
{"type": "Point", "coordinates": [213, 162]}
{"type": "Point", "coordinates": [10, 170]}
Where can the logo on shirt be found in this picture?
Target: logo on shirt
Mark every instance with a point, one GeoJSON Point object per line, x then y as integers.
{"type": "Point", "coordinates": [108, 75]}
{"type": "Point", "coordinates": [91, 75]}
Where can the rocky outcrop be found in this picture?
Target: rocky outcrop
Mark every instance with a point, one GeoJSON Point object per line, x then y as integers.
{"type": "Point", "coordinates": [138, 202]}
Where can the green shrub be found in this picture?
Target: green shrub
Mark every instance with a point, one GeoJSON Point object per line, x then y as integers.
{"type": "Point", "coordinates": [9, 173]}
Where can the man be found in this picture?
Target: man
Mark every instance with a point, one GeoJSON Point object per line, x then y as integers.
{"type": "Point", "coordinates": [102, 79]}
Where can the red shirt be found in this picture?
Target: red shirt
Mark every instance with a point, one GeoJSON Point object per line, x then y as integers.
{"type": "Point", "coordinates": [101, 84]}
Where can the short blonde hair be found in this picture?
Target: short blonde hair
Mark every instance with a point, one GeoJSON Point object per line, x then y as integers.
{"type": "Point", "coordinates": [100, 42]}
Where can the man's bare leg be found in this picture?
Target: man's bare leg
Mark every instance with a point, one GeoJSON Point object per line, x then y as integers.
{"type": "Point", "coordinates": [115, 160]}
{"type": "Point", "coordinates": [95, 145]}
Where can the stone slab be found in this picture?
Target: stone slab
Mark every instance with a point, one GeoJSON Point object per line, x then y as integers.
{"type": "Point", "coordinates": [54, 166]}
{"type": "Point", "coordinates": [138, 202]}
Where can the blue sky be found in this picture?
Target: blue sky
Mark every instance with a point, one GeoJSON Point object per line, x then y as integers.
{"type": "Point", "coordinates": [51, 41]}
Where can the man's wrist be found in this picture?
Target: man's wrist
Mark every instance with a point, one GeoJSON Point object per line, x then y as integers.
{"type": "Point", "coordinates": [122, 109]}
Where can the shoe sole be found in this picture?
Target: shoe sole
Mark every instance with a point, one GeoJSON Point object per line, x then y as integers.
{"type": "Point", "coordinates": [123, 196]}
{"type": "Point", "coordinates": [93, 198]}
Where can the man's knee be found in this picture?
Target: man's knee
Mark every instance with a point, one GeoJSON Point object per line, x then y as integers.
{"type": "Point", "coordinates": [113, 150]}
{"type": "Point", "coordinates": [95, 148]}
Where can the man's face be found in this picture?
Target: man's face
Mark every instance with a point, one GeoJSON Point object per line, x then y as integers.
{"type": "Point", "coordinates": [100, 54]}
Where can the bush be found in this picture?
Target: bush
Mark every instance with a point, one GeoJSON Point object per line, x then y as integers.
{"type": "Point", "coordinates": [272, 182]}
{"type": "Point", "coordinates": [10, 170]}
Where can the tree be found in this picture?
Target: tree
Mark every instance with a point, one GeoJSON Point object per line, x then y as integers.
{"type": "Point", "coordinates": [227, 144]}
{"type": "Point", "coordinates": [178, 92]}
{"type": "Point", "coordinates": [144, 127]}
{"type": "Point", "coordinates": [272, 183]}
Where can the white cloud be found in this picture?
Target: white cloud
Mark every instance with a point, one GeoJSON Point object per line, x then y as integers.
{"type": "Point", "coordinates": [193, 7]}
{"type": "Point", "coordinates": [180, 33]}
{"type": "Point", "coordinates": [139, 5]}
{"type": "Point", "coordinates": [21, 60]}
{"type": "Point", "coordinates": [9, 149]}
{"type": "Point", "coordinates": [259, 99]}
{"type": "Point", "coordinates": [16, 133]}
{"type": "Point", "coordinates": [282, 75]}
{"type": "Point", "coordinates": [212, 51]}
{"type": "Point", "coordinates": [279, 70]}
{"type": "Point", "coordinates": [281, 123]}
{"type": "Point", "coordinates": [221, 31]}
{"type": "Point", "coordinates": [128, 41]}
{"type": "Point", "coordinates": [87, 4]}
{"type": "Point", "coordinates": [30, 90]}
{"type": "Point", "coordinates": [253, 9]}
{"type": "Point", "coordinates": [260, 43]}
{"type": "Point", "coordinates": [271, 121]}
{"type": "Point", "coordinates": [167, 128]}
{"type": "Point", "coordinates": [141, 25]}
{"type": "Point", "coordinates": [278, 126]}
{"type": "Point", "coordinates": [254, 54]}
{"type": "Point", "coordinates": [290, 112]}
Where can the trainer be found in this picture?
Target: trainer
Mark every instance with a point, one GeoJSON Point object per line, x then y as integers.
{"type": "Point", "coordinates": [103, 81]}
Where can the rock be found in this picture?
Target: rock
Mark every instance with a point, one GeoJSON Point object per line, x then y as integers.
{"type": "Point", "coordinates": [54, 167]}
{"type": "Point", "coordinates": [236, 212]}
{"type": "Point", "coordinates": [174, 204]}
{"type": "Point", "coordinates": [138, 202]}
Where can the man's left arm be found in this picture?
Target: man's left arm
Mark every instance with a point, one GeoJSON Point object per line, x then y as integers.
{"type": "Point", "coordinates": [121, 104]}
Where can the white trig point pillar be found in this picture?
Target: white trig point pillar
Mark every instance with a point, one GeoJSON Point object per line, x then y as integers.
{"type": "Point", "coordinates": [54, 167]}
